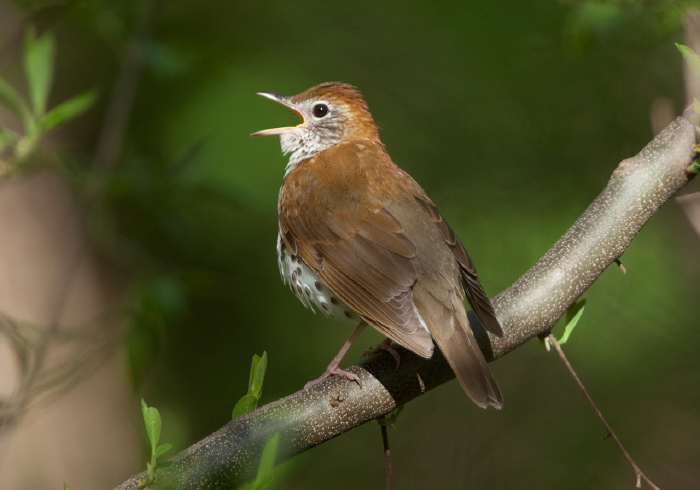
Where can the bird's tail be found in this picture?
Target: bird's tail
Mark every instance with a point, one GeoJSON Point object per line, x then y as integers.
{"type": "Point", "coordinates": [457, 343]}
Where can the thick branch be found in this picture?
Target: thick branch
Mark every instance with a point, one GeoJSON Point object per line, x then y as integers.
{"type": "Point", "coordinates": [530, 307]}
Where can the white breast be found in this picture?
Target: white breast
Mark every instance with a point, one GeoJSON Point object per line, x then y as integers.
{"type": "Point", "coordinates": [309, 289]}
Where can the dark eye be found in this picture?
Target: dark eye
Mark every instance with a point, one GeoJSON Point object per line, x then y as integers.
{"type": "Point", "coordinates": [320, 110]}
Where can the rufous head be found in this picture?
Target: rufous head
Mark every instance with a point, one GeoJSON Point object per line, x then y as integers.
{"type": "Point", "coordinates": [331, 112]}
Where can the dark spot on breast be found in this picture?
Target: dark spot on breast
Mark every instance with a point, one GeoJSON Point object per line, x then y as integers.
{"type": "Point", "coordinates": [299, 288]}
{"type": "Point", "coordinates": [307, 291]}
{"type": "Point", "coordinates": [348, 314]}
{"type": "Point", "coordinates": [334, 300]}
{"type": "Point", "coordinates": [293, 258]}
{"type": "Point", "coordinates": [318, 286]}
{"type": "Point", "coordinates": [325, 306]}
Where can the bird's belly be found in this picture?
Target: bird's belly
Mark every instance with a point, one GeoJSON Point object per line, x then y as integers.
{"type": "Point", "coordinates": [310, 290]}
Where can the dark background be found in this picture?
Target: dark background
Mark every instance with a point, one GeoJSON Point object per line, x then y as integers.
{"type": "Point", "coordinates": [512, 115]}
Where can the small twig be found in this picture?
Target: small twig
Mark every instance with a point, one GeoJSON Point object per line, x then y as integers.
{"type": "Point", "coordinates": [622, 267]}
{"type": "Point", "coordinates": [639, 474]}
{"type": "Point", "coordinates": [387, 456]}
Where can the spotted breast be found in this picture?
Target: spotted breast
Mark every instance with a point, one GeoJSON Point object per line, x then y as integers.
{"type": "Point", "coordinates": [306, 285]}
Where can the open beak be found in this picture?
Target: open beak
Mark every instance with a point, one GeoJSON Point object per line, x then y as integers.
{"type": "Point", "coordinates": [284, 100]}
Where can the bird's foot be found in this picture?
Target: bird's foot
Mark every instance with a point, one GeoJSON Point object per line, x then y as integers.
{"type": "Point", "coordinates": [330, 371]}
{"type": "Point", "coordinates": [384, 345]}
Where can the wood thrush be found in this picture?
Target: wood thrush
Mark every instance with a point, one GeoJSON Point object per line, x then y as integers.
{"type": "Point", "coordinates": [361, 241]}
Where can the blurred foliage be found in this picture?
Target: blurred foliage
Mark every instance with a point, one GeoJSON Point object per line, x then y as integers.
{"type": "Point", "coordinates": [265, 475]}
{"type": "Point", "coordinates": [511, 114]}
{"type": "Point", "coordinates": [639, 21]}
{"type": "Point", "coordinates": [36, 119]}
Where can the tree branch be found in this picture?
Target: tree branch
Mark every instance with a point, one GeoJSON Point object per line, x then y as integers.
{"type": "Point", "coordinates": [637, 189]}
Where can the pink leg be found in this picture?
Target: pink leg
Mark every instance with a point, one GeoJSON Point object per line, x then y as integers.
{"type": "Point", "coordinates": [333, 366]}
{"type": "Point", "coordinates": [384, 345]}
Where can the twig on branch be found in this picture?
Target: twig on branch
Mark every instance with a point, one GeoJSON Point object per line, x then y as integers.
{"type": "Point", "coordinates": [637, 189]}
{"type": "Point", "coordinates": [388, 466]}
{"type": "Point", "coordinates": [611, 433]}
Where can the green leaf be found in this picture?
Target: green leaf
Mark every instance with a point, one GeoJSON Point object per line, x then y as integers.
{"type": "Point", "coordinates": [257, 374]}
{"type": "Point", "coordinates": [573, 315]}
{"type": "Point", "coordinates": [267, 464]}
{"type": "Point", "coordinates": [249, 402]}
{"type": "Point", "coordinates": [691, 58]}
{"type": "Point", "coordinates": [12, 100]}
{"type": "Point", "coordinates": [66, 487]}
{"type": "Point", "coordinates": [38, 68]}
{"type": "Point", "coordinates": [246, 404]}
{"type": "Point", "coordinates": [151, 418]}
{"type": "Point", "coordinates": [67, 110]}
{"type": "Point", "coordinates": [162, 449]}
{"type": "Point", "coordinates": [253, 367]}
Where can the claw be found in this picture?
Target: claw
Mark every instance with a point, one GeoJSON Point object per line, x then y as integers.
{"type": "Point", "coordinates": [384, 345]}
{"type": "Point", "coordinates": [333, 366]}
{"type": "Point", "coordinates": [330, 372]}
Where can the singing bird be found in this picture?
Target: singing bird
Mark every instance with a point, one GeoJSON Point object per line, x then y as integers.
{"type": "Point", "coordinates": [362, 242]}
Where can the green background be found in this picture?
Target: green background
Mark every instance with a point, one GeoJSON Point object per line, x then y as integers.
{"type": "Point", "coordinates": [511, 114]}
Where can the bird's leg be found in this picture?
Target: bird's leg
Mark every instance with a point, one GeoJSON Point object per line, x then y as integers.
{"type": "Point", "coordinates": [333, 366]}
{"type": "Point", "coordinates": [384, 345]}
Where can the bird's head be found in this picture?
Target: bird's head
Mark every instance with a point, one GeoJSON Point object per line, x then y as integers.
{"type": "Point", "coordinates": [330, 113]}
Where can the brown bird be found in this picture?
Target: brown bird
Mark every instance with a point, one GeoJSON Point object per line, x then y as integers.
{"type": "Point", "coordinates": [361, 241]}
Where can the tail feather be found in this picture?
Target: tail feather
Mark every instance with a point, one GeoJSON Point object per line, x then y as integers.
{"type": "Point", "coordinates": [457, 343]}
{"type": "Point", "coordinates": [471, 369]}
{"type": "Point", "coordinates": [480, 303]}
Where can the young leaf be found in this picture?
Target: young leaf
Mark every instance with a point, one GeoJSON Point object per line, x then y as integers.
{"type": "Point", "coordinates": [573, 315]}
{"type": "Point", "coordinates": [246, 404]}
{"type": "Point", "coordinates": [67, 110]}
{"type": "Point", "coordinates": [253, 367]}
{"type": "Point", "coordinates": [151, 418]}
{"type": "Point", "coordinates": [162, 449]}
{"type": "Point", "coordinates": [249, 401]}
{"type": "Point", "coordinates": [257, 375]}
{"type": "Point", "coordinates": [691, 58]}
{"type": "Point", "coordinates": [38, 68]}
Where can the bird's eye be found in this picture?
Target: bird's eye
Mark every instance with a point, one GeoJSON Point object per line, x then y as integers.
{"type": "Point", "coordinates": [320, 110]}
